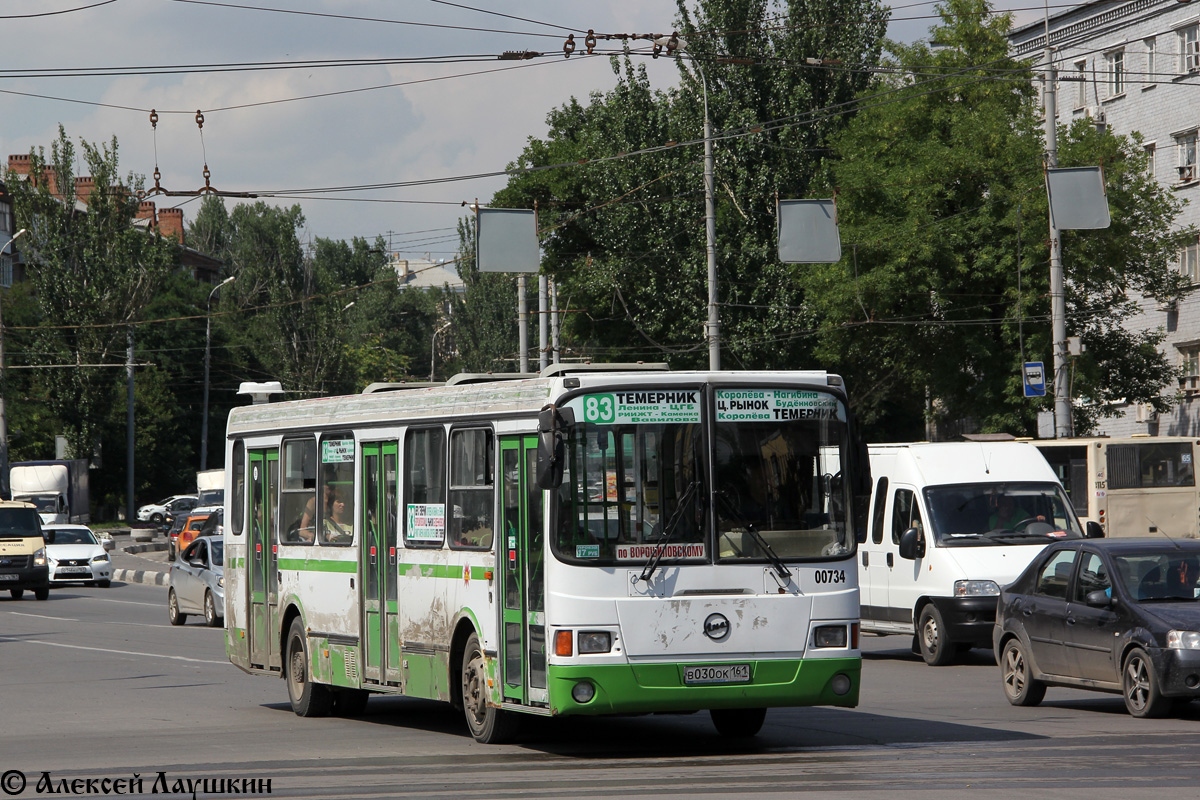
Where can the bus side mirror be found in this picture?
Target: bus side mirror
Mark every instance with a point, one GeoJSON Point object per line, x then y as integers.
{"type": "Point", "coordinates": [1093, 530]}
{"type": "Point", "coordinates": [554, 424]}
{"type": "Point", "coordinates": [912, 544]}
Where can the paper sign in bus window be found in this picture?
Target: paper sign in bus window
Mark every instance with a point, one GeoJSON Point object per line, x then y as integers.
{"type": "Point", "coordinates": [426, 522]}
{"type": "Point", "coordinates": [337, 451]}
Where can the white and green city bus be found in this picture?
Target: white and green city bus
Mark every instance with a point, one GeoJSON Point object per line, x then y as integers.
{"type": "Point", "coordinates": [594, 540]}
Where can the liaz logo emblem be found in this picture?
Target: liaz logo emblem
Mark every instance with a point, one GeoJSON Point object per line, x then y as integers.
{"type": "Point", "coordinates": [716, 627]}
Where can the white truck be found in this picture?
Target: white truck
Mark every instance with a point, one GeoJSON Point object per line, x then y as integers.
{"type": "Point", "coordinates": [210, 487]}
{"type": "Point", "coordinates": [59, 489]}
{"type": "Point", "coordinates": [950, 524]}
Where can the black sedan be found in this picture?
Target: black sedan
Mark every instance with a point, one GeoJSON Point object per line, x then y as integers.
{"type": "Point", "coordinates": [1115, 615]}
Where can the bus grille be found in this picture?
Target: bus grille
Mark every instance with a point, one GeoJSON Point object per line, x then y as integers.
{"type": "Point", "coordinates": [18, 562]}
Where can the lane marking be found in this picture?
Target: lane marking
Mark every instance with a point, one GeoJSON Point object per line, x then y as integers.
{"type": "Point", "coordinates": [115, 652]}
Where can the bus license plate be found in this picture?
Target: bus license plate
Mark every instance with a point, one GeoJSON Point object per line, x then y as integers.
{"type": "Point", "coordinates": [9, 577]}
{"type": "Point", "coordinates": [727, 673]}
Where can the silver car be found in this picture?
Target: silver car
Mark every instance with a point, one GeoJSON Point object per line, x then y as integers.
{"type": "Point", "coordinates": [197, 582]}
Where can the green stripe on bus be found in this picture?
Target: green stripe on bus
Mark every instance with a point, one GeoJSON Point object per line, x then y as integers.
{"type": "Point", "coordinates": [318, 565]}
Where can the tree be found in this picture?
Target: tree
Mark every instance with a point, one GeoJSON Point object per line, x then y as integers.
{"type": "Point", "coordinates": [624, 236]}
{"type": "Point", "coordinates": [290, 305]}
{"type": "Point", "coordinates": [944, 291]}
{"type": "Point", "coordinates": [93, 273]}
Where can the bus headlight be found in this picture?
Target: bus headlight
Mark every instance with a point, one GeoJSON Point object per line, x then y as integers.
{"type": "Point", "coordinates": [1183, 640]}
{"type": "Point", "coordinates": [583, 692]}
{"type": "Point", "coordinates": [829, 636]}
{"type": "Point", "coordinates": [39, 557]}
{"type": "Point", "coordinates": [976, 589]}
{"type": "Point", "coordinates": [595, 641]}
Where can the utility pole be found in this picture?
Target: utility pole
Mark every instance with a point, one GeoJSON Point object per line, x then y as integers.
{"type": "Point", "coordinates": [710, 235]}
{"type": "Point", "coordinates": [543, 322]}
{"type": "Point", "coordinates": [129, 504]}
{"type": "Point", "coordinates": [523, 323]}
{"type": "Point", "coordinates": [1058, 300]}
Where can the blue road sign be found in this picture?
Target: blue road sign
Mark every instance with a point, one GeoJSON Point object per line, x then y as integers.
{"type": "Point", "coordinates": [1035, 379]}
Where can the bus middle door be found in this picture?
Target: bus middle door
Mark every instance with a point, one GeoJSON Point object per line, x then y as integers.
{"type": "Point", "coordinates": [262, 559]}
{"type": "Point", "coordinates": [381, 632]}
{"type": "Point", "coordinates": [522, 543]}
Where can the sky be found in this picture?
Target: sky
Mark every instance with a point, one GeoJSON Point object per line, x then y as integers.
{"type": "Point", "coordinates": [317, 126]}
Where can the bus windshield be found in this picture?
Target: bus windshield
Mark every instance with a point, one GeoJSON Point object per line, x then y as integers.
{"type": "Point", "coordinates": [973, 514]}
{"type": "Point", "coordinates": [635, 486]}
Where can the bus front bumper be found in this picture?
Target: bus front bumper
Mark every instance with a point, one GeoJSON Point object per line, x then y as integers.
{"type": "Point", "coordinates": [647, 688]}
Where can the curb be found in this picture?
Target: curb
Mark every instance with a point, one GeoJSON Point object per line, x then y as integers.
{"type": "Point", "coordinates": [152, 577]}
{"type": "Point", "coordinates": [140, 576]}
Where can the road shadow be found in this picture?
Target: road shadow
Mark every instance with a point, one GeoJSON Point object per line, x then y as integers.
{"type": "Point", "coordinates": [687, 735]}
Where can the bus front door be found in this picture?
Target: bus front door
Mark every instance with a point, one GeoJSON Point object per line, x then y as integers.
{"type": "Point", "coordinates": [262, 560]}
{"type": "Point", "coordinates": [522, 545]}
{"type": "Point", "coordinates": [381, 631]}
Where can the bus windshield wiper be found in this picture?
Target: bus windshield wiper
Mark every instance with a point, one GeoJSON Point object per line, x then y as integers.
{"type": "Point", "coordinates": [660, 547]}
{"type": "Point", "coordinates": [776, 562]}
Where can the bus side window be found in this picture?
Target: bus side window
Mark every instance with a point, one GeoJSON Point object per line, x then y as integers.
{"type": "Point", "coordinates": [424, 496]}
{"type": "Point", "coordinates": [471, 488]}
{"type": "Point", "coordinates": [299, 491]}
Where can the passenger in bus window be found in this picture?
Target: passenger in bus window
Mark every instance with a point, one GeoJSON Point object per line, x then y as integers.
{"type": "Point", "coordinates": [308, 520]}
{"type": "Point", "coordinates": [337, 526]}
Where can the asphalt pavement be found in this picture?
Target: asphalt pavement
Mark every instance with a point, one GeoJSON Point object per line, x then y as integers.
{"type": "Point", "coordinates": [139, 560]}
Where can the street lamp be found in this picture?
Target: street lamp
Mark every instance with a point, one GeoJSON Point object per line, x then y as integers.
{"type": "Point", "coordinates": [433, 348]}
{"type": "Point", "coordinates": [4, 490]}
{"type": "Point", "coordinates": [207, 352]}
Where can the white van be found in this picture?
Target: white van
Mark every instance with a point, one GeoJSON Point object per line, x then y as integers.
{"type": "Point", "coordinates": [950, 524]}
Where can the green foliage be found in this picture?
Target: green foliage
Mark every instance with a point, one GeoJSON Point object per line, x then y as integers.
{"type": "Point", "coordinates": [95, 272]}
{"type": "Point", "coordinates": [945, 288]}
{"type": "Point", "coordinates": [625, 238]}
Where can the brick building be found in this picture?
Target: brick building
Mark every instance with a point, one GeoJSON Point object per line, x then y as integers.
{"type": "Point", "coordinates": [168, 222]}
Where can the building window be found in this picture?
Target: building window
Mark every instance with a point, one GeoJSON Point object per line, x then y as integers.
{"type": "Point", "coordinates": [1187, 156]}
{"type": "Point", "coordinates": [1114, 72]}
{"type": "Point", "coordinates": [1189, 262]}
{"type": "Point", "coordinates": [1189, 49]}
{"type": "Point", "coordinates": [1151, 59]}
{"type": "Point", "coordinates": [1150, 151]}
{"type": "Point", "coordinates": [1081, 83]}
{"type": "Point", "coordinates": [1189, 358]}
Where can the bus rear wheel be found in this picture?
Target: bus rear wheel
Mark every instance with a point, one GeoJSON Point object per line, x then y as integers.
{"type": "Point", "coordinates": [308, 699]}
{"type": "Point", "coordinates": [738, 723]}
{"type": "Point", "coordinates": [488, 724]}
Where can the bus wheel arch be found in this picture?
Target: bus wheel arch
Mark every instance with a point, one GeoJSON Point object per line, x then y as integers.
{"type": "Point", "coordinates": [458, 646]}
{"type": "Point", "coordinates": [285, 625]}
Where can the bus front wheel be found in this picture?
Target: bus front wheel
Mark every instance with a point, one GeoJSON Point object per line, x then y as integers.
{"type": "Point", "coordinates": [308, 699]}
{"type": "Point", "coordinates": [488, 724]}
{"type": "Point", "coordinates": [738, 723]}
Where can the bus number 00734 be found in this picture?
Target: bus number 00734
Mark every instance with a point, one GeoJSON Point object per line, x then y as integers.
{"type": "Point", "coordinates": [830, 575]}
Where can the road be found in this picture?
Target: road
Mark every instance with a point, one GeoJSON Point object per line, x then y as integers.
{"type": "Point", "coordinates": [97, 685]}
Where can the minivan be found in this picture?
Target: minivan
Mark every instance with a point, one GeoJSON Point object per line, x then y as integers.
{"type": "Point", "coordinates": [950, 523]}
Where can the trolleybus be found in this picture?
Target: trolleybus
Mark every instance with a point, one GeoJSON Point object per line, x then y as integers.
{"type": "Point", "coordinates": [592, 540]}
{"type": "Point", "coordinates": [1134, 486]}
